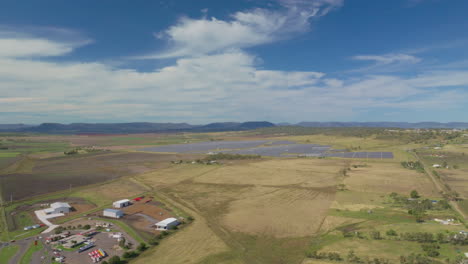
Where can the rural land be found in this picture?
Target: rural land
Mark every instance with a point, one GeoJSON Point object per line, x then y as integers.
{"type": "Point", "coordinates": [250, 193]}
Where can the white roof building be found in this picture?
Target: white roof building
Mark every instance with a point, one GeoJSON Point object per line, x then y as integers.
{"type": "Point", "coordinates": [113, 213]}
{"type": "Point", "coordinates": [121, 203]}
{"type": "Point", "coordinates": [436, 166]}
{"type": "Point", "coordinates": [57, 208]}
{"type": "Point", "coordinates": [166, 224]}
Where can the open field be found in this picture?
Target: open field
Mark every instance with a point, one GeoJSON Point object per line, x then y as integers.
{"type": "Point", "coordinates": [40, 176]}
{"type": "Point", "coordinates": [380, 177]}
{"type": "Point", "coordinates": [255, 211]}
{"type": "Point", "coordinates": [6, 253]}
{"type": "Point", "coordinates": [255, 205]}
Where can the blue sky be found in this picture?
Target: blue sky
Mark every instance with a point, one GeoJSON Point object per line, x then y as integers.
{"type": "Point", "coordinates": [207, 61]}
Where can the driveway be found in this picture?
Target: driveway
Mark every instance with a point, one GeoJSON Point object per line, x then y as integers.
{"type": "Point", "coordinates": [43, 217]}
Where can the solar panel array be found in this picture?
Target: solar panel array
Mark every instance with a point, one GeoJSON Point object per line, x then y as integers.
{"type": "Point", "coordinates": [268, 148]}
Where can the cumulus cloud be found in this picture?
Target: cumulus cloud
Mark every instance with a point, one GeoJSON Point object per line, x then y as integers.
{"type": "Point", "coordinates": [212, 78]}
{"type": "Point", "coordinates": [196, 37]}
{"type": "Point", "coordinates": [217, 87]}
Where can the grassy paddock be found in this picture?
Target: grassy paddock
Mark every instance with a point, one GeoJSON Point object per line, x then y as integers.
{"type": "Point", "coordinates": [27, 257]}
{"type": "Point", "coordinates": [7, 253]}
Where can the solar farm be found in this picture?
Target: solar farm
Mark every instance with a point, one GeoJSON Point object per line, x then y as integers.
{"type": "Point", "coordinates": [267, 148]}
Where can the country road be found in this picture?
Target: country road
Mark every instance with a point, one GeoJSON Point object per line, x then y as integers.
{"type": "Point", "coordinates": [440, 186]}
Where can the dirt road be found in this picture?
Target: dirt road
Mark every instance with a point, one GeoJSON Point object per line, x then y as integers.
{"type": "Point", "coordinates": [440, 186]}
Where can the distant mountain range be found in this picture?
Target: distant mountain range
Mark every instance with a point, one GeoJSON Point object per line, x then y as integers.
{"type": "Point", "coordinates": [131, 128]}
{"type": "Point", "coordinates": [145, 127]}
{"type": "Point", "coordinates": [451, 125]}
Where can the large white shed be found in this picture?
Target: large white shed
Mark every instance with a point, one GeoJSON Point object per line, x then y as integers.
{"type": "Point", "coordinates": [167, 223]}
{"type": "Point", "coordinates": [113, 213]}
{"type": "Point", "coordinates": [121, 203]}
{"type": "Point", "coordinates": [57, 208]}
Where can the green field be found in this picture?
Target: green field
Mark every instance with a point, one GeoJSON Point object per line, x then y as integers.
{"type": "Point", "coordinates": [7, 253]}
{"type": "Point", "coordinates": [27, 257]}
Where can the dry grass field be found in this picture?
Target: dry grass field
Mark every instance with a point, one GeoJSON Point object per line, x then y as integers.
{"type": "Point", "coordinates": [457, 180]}
{"type": "Point", "coordinates": [313, 173]}
{"type": "Point", "coordinates": [251, 206]}
{"type": "Point", "coordinates": [190, 245]}
{"type": "Point", "coordinates": [384, 178]}
{"type": "Point", "coordinates": [107, 193]}
{"type": "Point", "coordinates": [278, 212]}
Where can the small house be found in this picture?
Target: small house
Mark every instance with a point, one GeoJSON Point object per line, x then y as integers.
{"type": "Point", "coordinates": [167, 224]}
{"type": "Point", "coordinates": [436, 166]}
{"type": "Point", "coordinates": [113, 213]}
{"type": "Point", "coordinates": [121, 203]}
{"type": "Point", "coordinates": [58, 208]}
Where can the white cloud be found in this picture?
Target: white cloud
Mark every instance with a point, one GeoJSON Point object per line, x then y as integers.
{"type": "Point", "coordinates": [218, 87]}
{"type": "Point", "coordinates": [196, 37]}
{"type": "Point", "coordinates": [212, 78]}
{"type": "Point", "coordinates": [389, 58]}
{"type": "Point", "coordinates": [20, 45]}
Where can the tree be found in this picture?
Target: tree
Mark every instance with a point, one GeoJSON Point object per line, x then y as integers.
{"type": "Point", "coordinates": [87, 227]}
{"type": "Point", "coordinates": [414, 194]}
{"type": "Point", "coordinates": [440, 238]}
{"type": "Point", "coordinates": [122, 242]}
{"type": "Point", "coordinates": [153, 241]}
{"type": "Point", "coordinates": [391, 232]}
{"type": "Point", "coordinates": [115, 260]}
{"type": "Point", "coordinates": [142, 247]}
{"type": "Point", "coordinates": [130, 254]}
{"type": "Point", "coordinates": [376, 235]}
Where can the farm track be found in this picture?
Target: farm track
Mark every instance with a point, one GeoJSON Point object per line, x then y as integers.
{"type": "Point", "coordinates": [440, 186]}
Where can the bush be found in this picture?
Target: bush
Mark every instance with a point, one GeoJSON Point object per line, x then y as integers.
{"type": "Point", "coordinates": [414, 194]}
{"type": "Point", "coordinates": [115, 260]}
{"type": "Point", "coordinates": [130, 254]}
{"type": "Point", "coordinates": [391, 232]}
{"type": "Point", "coordinates": [153, 241]}
{"type": "Point", "coordinates": [142, 247]}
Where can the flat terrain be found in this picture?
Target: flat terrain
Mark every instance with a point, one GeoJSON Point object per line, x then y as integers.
{"type": "Point", "coordinates": [263, 210]}
{"type": "Point", "coordinates": [30, 177]}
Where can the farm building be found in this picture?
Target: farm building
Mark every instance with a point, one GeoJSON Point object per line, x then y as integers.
{"type": "Point", "coordinates": [57, 208]}
{"type": "Point", "coordinates": [121, 203]}
{"type": "Point", "coordinates": [166, 224]}
{"type": "Point", "coordinates": [113, 213]}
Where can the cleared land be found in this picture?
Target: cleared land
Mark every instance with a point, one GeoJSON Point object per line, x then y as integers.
{"type": "Point", "coordinates": [32, 177]}
{"type": "Point", "coordinates": [268, 210]}
{"type": "Point", "coordinates": [380, 177]}
{"type": "Point", "coordinates": [254, 206]}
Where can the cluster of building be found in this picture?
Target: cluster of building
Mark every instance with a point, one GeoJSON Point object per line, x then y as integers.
{"type": "Point", "coordinates": [165, 224]}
